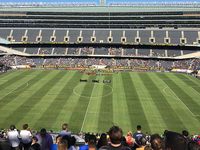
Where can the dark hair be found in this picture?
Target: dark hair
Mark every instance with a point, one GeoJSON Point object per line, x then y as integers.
{"type": "Point", "coordinates": [115, 134]}
{"type": "Point", "coordinates": [91, 144]}
{"type": "Point", "coordinates": [185, 133]}
{"type": "Point", "coordinates": [157, 142]}
{"type": "Point", "coordinates": [65, 126]}
{"type": "Point", "coordinates": [43, 132]}
{"type": "Point", "coordinates": [87, 137]}
{"type": "Point", "coordinates": [102, 141]}
{"type": "Point", "coordinates": [139, 127]}
{"type": "Point", "coordinates": [12, 127]}
{"type": "Point", "coordinates": [193, 146]}
{"type": "Point", "coordinates": [25, 126]}
{"type": "Point", "coordinates": [72, 141]}
{"type": "Point", "coordinates": [92, 139]}
{"type": "Point", "coordinates": [35, 138]}
{"type": "Point", "coordinates": [124, 141]}
{"type": "Point", "coordinates": [142, 141]}
{"type": "Point", "coordinates": [67, 138]}
{"type": "Point", "coordinates": [175, 141]}
{"type": "Point", "coordinates": [58, 137]}
{"type": "Point", "coordinates": [63, 144]}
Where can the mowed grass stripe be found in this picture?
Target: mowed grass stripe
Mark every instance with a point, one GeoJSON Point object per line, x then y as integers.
{"type": "Point", "coordinates": [135, 109]}
{"type": "Point", "coordinates": [69, 106]}
{"type": "Point", "coordinates": [12, 101]}
{"type": "Point", "coordinates": [4, 77]}
{"type": "Point", "coordinates": [190, 123]}
{"type": "Point", "coordinates": [106, 110]}
{"type": "Point", "coordinates": [28, 103]}
{"type": "Point", "coordinates": [49, 116]}
{"type": "Point", "coordinates": [92, 116]}
{"type": "Point", "coordinates": [120, 107]}
{"type": "Point", "coordinates": [169, 116]}
{"type": "Point", "coordinates": [181, 94]}
{"type": "Point", "coordinates": [150, 108]}
{"type": "Point", "coordinates": [38, 109]}
{"type": "Point", "coordinates": [187, 80]}
{"type": "Point", "coordinates": [186, 85]}
{"type": "Point", "coordinates": [11, 95]}
{"type": "Point", "coordinates": [77, 118]}
{"type": "Point", "coordinates": [14, 79]}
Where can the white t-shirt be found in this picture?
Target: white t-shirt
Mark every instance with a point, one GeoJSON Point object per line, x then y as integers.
{"type": "Point", "coordinates": [25, 136]}
{"type": "Point", "coordinates": [13, 137]}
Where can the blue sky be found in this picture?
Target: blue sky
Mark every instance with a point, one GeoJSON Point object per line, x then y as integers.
{"type": "Point", "coordinates": [96, 1]}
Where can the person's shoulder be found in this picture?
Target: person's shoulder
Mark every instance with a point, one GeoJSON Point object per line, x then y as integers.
{"type": "Point", "coordinates": [125, 148]}
{"type": "Point", "coordinates": [104, 147]}
{"type": "Point", "coordinates": [83, 147]}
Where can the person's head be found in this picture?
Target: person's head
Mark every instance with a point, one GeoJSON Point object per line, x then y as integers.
{"type": "Point", "coordinates": [129, 133]}
{"type": "Point", "coordinates": [157, 142]}
{"type": "Point", "coordinates": [139, 128]}
{"type": "Point", "coordinates": [25, 126]}
{"type": "Point", "coordinates": [87, 137]}
{"type": "Point", "coordinates": [43, 132]}
{"type": "Point", "coordinates": [91, 145]}
{"type": "Point", "coordinates": [115, 134]}
{"type": "Point", "coordinates": [67, 138]}
{"type": "Point", "coordinates": [92, 139]}
{"type": "Point", "coordinates": [63, 145]}
{"type": "Point", "coordinates": [185, 133]}
{"type": "Point", "coordinates": [34, 139]}
{"type": "Point", "coordinates": [141, 141]}
{"type": "Point", "coordinates": [65, 126]}
{"type": "Point", "coordinates": [58, 139]}
{"type": "Point", "coordinates": [175, 141]}
{"type": "Point", "coordinates": [12, 127]}
{"type": "Point", "coordinates": [103, 140]}
{"type": "Point", "coordinates": [72, 141]}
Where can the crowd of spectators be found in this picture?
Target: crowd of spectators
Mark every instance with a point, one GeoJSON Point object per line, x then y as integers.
{"type": "Point", "coordinates": [114, 139]}
{"type": "Point", "coordinates": [87, 51]}
{"type": "Point", "coordinates": [148, 64]}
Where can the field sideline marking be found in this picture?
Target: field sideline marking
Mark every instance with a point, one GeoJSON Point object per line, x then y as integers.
{"type": "Point", "coordinates": [86, 111]}
{"type": "Point", "coordinates": [14, 90]}
{"type": "Point", "coordinates": [176, 97]}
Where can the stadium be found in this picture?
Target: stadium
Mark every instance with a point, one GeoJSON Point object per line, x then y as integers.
{"type": "Point", "coordinates": [95, 66]}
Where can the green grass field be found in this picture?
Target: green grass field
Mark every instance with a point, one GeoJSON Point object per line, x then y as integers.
{"type": "Point", "coordinates": [48, 98]}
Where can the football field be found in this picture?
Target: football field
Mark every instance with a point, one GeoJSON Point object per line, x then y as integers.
{"type": "Point", "coordinates": [48, 98]}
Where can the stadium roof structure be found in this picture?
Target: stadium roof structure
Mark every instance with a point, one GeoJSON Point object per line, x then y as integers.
{"type": "Point", "coordinates": [106, 9]}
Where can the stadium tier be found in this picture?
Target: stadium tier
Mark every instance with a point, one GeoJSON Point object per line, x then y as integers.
{"type": "Point", "coordinates": [93, 31]}
{"type": "Point", "coordinates": [123, 36]}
